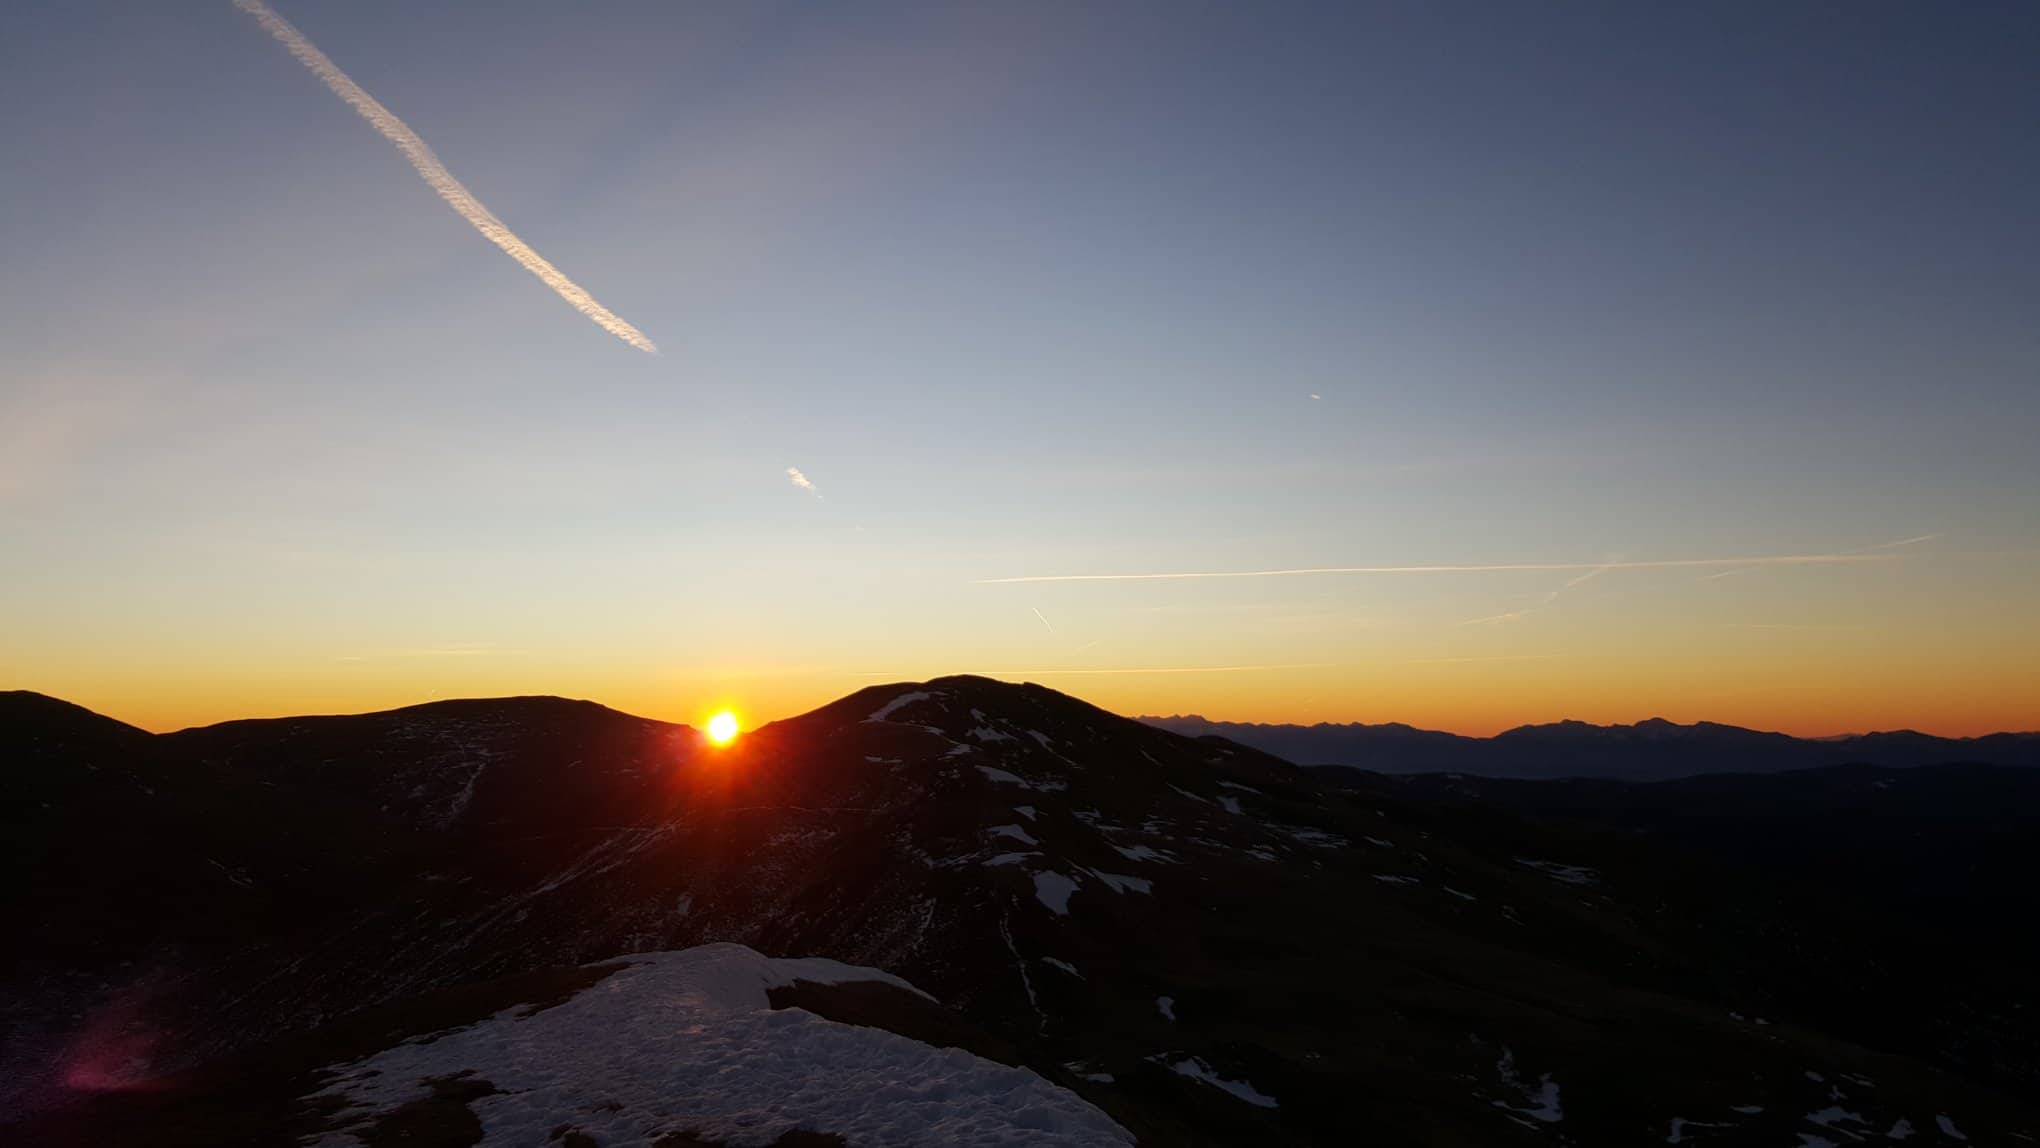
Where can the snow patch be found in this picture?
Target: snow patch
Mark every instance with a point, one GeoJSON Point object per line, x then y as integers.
{"type": "Point", "coordinates": [1123, 884]}
{"type": "Point", "coordinates": [1053, 889]}
{"type": "Point", "coordinates": [1541, 1103]}
{"type": "Point", "coordinates": [1948, 1128]}
{"type": "Point", "coordinates": [1026, 982]}
{"type": "Point", "coordinates": [1832, 1115]}
{"type": "Point", "coordinates": [688, 1040]}
{"type": "Point", "coordinates": [1196, 1069]}
{"type": "Point", "coordinates": [1566, 874]}
{"type": "Point", "coordinates": [1015, 832]}
{"type": "Point", "coordinates": [1002, 777]}
{"type": "Point", "coordinates": [1167, 1007]}
{"type": "Point", "coordinates": [1082, 1069]}
{"type": "Point", "coordinates": [886, 711]}
{"type": "Point", "coordinates": [1230, 804]}
{"type": "Point", "coordinates": [1677, 1135]}
{"type": "Point", "coordinates": [1144, 853]}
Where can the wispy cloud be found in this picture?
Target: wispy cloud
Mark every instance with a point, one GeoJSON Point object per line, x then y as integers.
{"type": "Point", "coordinates": [794, 476]}
{"type": "Point", "coordinates": [436, 176]}
{"type": "Point", "coordinates": [1499, 567]}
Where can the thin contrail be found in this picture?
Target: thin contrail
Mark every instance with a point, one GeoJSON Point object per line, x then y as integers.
{"type": "Point", "coordinates": [1858, 550]}
{"type": "Point", "coordinates": [1903, 542]}
{"type": "Point", "coordinates": [1549, 598]}
{"type": "Point", "coordinates": [1663, 564]}
{"type": "Point", "coordinates": [1044, 619]}
{"type": "Point", "coordinates": [437, 177]}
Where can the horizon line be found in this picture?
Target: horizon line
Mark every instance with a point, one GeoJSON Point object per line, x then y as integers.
{"type": "Point", "coordinates": [911, 681]}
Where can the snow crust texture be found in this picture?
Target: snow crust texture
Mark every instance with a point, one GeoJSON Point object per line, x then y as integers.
{"type": "Point", "coordinates": [688, 1041]}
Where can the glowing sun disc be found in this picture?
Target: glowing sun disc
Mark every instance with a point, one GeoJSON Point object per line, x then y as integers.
{"type": "Point", "coordinates": [722, 728]}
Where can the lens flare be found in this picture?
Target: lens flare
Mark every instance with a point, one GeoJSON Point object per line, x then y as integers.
{"type": "Point", "coordinates": [722, 728]}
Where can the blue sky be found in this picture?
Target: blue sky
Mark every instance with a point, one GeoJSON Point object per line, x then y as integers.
{"type": "Point", "coordinates": [1027, 290]}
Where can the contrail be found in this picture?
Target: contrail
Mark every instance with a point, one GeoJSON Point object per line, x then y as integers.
{"type": "Point", "coordinates": [1549, 598]}
{"type": "Point", "coordinates": [1858, 550]}
{"type": "Point", "coordinates": [1044, 619]}
{"type": "Point", "coordinates": [1663, 564]}
{"type": "Point", "coordinates": [1903, 542]}
{"type": "Point", "coordinates": [438, 178]}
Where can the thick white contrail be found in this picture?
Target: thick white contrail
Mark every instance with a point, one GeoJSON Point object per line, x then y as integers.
{"type": "Point", "coordinates": [438, 178]}
{"type": "Point", "coordinates": [1664, 564]}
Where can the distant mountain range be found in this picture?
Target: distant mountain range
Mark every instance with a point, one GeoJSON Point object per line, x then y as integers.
{"type": "Point", "coordinates": [967, 912]}
{"type": "Point", "coordinates": [1651, 750]}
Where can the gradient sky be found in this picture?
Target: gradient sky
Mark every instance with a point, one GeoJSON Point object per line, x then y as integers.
{"type": "Point", "coordinates": [1029, 290]}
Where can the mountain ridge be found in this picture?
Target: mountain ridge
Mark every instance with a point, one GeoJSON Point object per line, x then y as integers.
{"type": "Point", "coordinates": [1206, 942]}
{"type": "Point", "coordinates": [1582, 749]}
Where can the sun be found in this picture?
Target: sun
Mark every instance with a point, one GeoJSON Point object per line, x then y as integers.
{"type": "Point", "coordinates": [722, 728]}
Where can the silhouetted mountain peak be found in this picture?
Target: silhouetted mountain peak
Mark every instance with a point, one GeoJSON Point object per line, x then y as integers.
{"type": "Point", "coordinates": [31, 714]}
{"type": "Point", "coordinates": [1654, 748]}
{"type": "Point", "coordinates": [1207, 943]}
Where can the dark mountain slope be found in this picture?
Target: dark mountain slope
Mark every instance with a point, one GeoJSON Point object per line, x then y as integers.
{"type": "Point", "coordinates": [1646, 751]}
{"type": "Point", "coordinates": [1903, 885]}
{"type": "Point", "coordinates": [1209, 943]}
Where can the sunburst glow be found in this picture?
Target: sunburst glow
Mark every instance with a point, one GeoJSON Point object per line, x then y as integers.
{"type": "Point", "coordinates": [722, 728]}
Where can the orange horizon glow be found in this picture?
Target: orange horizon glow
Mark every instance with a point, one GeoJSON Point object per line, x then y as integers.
{"type": "Point", "coordinates": [1472, 698]}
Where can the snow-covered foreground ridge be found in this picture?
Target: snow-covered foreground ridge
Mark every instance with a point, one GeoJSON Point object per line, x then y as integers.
{"type": "Point", "coordinates": [688, 1041]}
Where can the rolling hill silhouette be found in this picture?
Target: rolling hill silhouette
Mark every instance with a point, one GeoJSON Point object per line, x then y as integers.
{"type": "Point", "coordinates": [1651, 750]}
{"type": "Point", "coordinates": [437, 924]}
